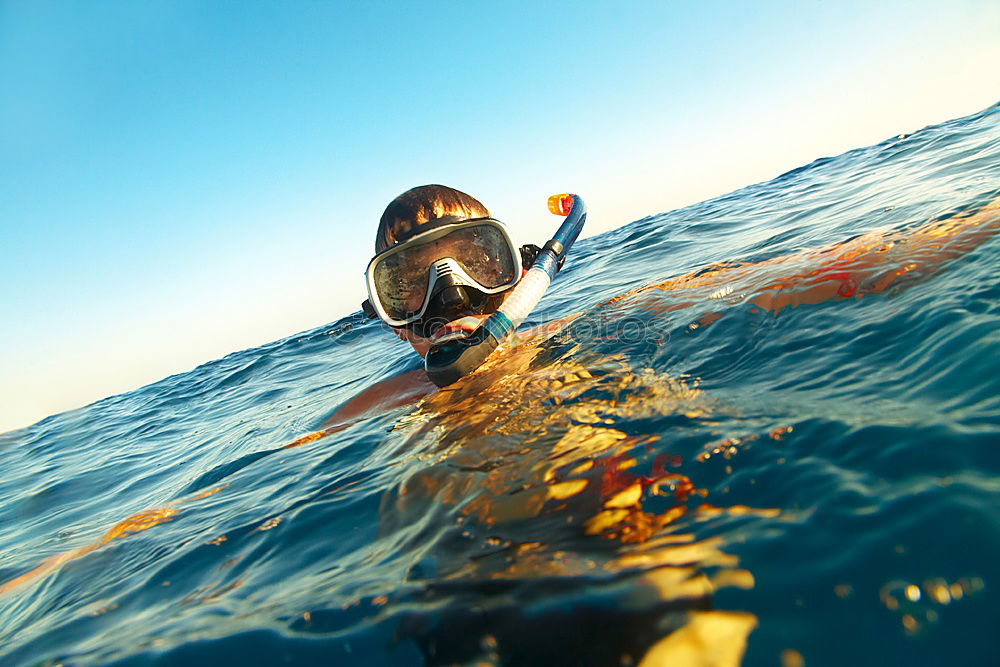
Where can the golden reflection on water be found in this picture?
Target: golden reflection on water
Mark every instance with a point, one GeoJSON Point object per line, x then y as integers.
{"type": "Point", "coordinates": [136, 523]}
{"type": "Point", "coordinates": [709, 638]}
{"type": "Point", "coordinates": [526, 438]}
{"type": "Point", "coordinates": [531, 442]}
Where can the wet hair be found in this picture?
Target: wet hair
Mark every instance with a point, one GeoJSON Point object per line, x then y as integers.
{"type": "Point", "coordinates": [420, 205]}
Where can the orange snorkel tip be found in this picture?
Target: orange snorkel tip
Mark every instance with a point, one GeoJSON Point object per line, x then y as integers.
{"type": "Point", "coordinates": [560, 204]}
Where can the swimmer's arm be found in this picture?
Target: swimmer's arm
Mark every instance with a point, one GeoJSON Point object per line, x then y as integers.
{"type": "Point", "coordinates": [383, 396]}
{"type": "Point", "coordinates": [872, 263]}
{"type": "Point", "coordinates": [405, 388]}
{"type": "Point", "coordinates": [868, 264]}
{"type": "Point", "coordinates": [377, 399]}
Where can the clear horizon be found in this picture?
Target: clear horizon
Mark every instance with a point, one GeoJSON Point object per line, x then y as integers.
{"type": "Point", "coordinates": [183, 182]}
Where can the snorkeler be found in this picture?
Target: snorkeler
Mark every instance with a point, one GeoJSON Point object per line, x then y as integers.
{"type": "Point", "coordinates": [442, 266]}
{"type": "Point", "coordinates": [481, 268]}
{"type": "Point", "coordinates": [873, 263]}
{"type": "Point", "coordinates": [458, 286]}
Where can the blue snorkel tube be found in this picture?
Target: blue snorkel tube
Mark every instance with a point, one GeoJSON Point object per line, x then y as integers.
{"type": "Point", "coordinates": [453, 359]}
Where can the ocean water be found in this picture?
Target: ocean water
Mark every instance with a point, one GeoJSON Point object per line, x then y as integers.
{"type": "Point", "coordinates": [767, 433]}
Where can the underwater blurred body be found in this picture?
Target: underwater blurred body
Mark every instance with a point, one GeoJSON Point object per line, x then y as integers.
{"type": "Point", "coordinates": [805, 470]}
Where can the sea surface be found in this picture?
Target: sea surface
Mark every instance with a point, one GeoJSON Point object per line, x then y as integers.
{"type": "Point", "coordinates": [767, 432]}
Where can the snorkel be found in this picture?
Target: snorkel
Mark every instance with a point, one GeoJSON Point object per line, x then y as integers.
{"type": "Point", "coordinates": [450, 360]}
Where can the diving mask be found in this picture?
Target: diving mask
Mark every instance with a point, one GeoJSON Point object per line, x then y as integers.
{"type": "Point", "coordinates": [447, 268]}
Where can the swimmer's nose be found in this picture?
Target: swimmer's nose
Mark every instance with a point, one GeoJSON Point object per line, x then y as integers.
{"type": "Point", "coordinates": [454, 297]}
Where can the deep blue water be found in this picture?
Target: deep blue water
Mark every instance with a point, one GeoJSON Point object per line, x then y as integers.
{"type": "Point", "coordinates": [680, 467]}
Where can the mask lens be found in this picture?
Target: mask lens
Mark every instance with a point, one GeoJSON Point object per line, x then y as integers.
{"type": "Point", "coordinates": [482, 251]}
{"type": "Point", "coordinates": [401, 285]}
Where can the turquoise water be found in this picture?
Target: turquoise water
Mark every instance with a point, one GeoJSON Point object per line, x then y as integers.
{"type": "Point", "coordinates": [795, 453]}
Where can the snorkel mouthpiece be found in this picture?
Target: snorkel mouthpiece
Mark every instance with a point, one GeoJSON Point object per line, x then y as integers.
{"type": "Point", "coordinates": [447, 362]}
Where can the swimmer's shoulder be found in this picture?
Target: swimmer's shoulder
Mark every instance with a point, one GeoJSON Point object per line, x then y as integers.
{"type": "Point", "coordinates": [392, 392]}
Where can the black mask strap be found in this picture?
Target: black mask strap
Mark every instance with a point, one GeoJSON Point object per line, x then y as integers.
{"type": "Point", "coordinates": [368, 309]}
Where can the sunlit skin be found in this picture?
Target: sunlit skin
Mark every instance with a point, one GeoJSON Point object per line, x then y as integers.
{"type": "Point", "coordinates": [866, 265]}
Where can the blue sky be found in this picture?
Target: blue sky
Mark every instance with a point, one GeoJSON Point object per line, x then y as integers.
{"type": "Point", "coordinates": [180, 180]}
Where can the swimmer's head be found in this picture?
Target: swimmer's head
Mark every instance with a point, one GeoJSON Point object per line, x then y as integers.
{"type": "Point", "coordinates": [420, 205]}
{"type": "Point", "coordinates": [405, 215]}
